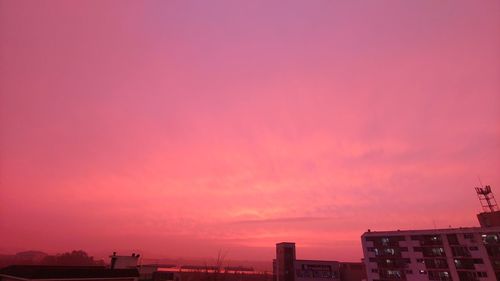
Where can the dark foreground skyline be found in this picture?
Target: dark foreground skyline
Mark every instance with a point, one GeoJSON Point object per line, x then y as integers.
{"type": "Point", "coordinates": [179, 128]}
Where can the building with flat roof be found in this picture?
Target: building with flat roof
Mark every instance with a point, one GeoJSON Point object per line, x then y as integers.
{"type": "Point", "coordinates": [285, 261]}
{"type": "Point", "coordinates": [123, 262]}
{"type": "Point", "coordinates": [465, 254]}
{"type": "Point", "coordinates": [287, 268]}
{"type": "Point", "coordinates": [310, 270]}
{"type": "Point", "coordinates": [462, 254]}
{"type": "Point", "coordinates": [489, 219]}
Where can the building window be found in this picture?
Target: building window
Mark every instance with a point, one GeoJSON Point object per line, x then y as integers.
{"type": "Point", "coordinates": [389, 251]}
{"type": "Point", "coordinates": [460, 251]}
{"type": "Point", "coordinates": [468, 236]}
{"type": "Point", "coordinates": [467, 275]}
{"type": "Point", "coordinates": [436, 263]}
{"type": "Point", "coordinates": [452, 239]}
{"type": "Point", "coordinates": [433, 252]}
{"type": "Point", "coordinates": [482, 274]}
{"type": "Point", "coordinates": [464, 263]}
{"type": "Point", "coordinates": [393, 274]}
{"type": "Point", "coordinates": [385, 241]}
{"type": "Point", "coordinates": [439, 275]}
{"type": "Point", "coordinates": [490, 238]}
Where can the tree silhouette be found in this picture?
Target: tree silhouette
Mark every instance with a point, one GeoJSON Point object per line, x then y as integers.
{"type": "Point", "coordinates": [75, 257]}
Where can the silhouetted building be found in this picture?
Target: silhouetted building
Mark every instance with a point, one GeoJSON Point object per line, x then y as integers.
{"type": "Point", "coordinates": [66, 273]}
{"type": "Point", "coordinates": [491, 215]}
{"type": "Point", "coordinates": [285, 261]}
{"type": "Point", "coordinates": [122, 262]}
{"type": "Point", "coordinates": [309, 270]}
{"type": "Point", "coordinates": [489, 219]}
{"type": "Point", "coordinates": [286, 267]}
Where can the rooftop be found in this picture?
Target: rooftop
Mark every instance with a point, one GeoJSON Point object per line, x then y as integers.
{"type": "Point", "coordinates": [441, 230]}
{"type": "Point", "coordinates": [286, 243]}
{"type": "Point", "coordinates": [66, 272]}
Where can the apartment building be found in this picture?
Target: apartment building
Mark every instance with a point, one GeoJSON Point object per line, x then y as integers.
{"type": "Point", "coordinates": [464, 254]}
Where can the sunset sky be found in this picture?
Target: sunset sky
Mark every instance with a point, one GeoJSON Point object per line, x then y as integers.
{"type": "Point", "coordinates": [178, 128]}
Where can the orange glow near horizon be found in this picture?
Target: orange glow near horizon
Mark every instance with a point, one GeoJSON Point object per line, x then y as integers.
{"type": "Point", "coordinates": [178, 128]}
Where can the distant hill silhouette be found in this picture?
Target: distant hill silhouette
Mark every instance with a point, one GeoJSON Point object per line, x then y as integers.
{"type": "Point", "coordinates": [75, 257]}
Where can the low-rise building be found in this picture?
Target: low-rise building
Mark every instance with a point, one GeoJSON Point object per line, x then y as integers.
{"type": "Point", "coordinates": [123, 262]}
{"type": "Point", "coordinates": [287, 268]}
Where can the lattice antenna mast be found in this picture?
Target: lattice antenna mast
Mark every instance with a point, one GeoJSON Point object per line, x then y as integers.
{"type": "Point", "coordinates": [487, 199]}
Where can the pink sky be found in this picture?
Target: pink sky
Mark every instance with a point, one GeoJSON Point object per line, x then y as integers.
{"type": "Point", "coordinates": [178, 128]}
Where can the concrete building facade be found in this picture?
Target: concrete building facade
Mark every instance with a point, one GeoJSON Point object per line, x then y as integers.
{"type": "Point", "coordinates": [459, 254]}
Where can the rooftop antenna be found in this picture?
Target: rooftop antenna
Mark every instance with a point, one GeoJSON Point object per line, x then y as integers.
{"type": "Point", "coordinates": [480, 182]}
{"type": "Point", "coordinates": [486, 197]}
